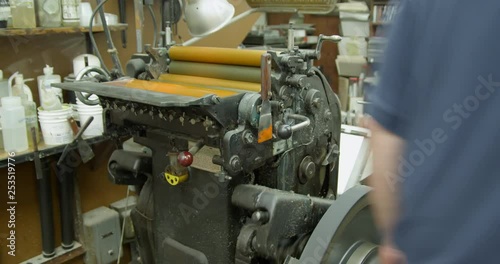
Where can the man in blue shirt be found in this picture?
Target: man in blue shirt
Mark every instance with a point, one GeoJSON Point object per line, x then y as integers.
{"type": "Point", "coordinates": [436, 134]}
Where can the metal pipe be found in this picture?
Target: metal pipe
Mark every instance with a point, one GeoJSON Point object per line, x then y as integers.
{"type": "Point", "coordinates": [305, 122]}
{"type": "Point", "coordinates": [46, 210]}
{"type": "Point", "coordinates": [111, 47]}
{"type": "Point", "coordinates": [139, 24]}
{"type": "Point", "coordinates": [66, 174]}
{"type": "Point", "coordinates": [291, 37]}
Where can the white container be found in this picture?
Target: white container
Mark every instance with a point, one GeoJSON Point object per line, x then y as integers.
{"type": "Point", "coordinates": [85, 14]}
{"type": "Point", "coordinates": [4, 86]}
{"type": "Point", "coordinates": [64, 112]}
{"type": "Point", "coordinates": [13, 123]}
{"type": "Point", "coordinates": [96, 128]}
{"type": "Point", "coordinates": [17, 91]}
{"type": "Point", "coordinates": [83, 61]}
{"type": "Point", "coordinates": [351, 66]}
{"type": "Point", "coordinates": [49, 13]}
{"type": "Point", "coordinates": [354, 19]}
{"type": "Point", "coordinates": [353, 46]}
{"type": "Point", "coordinates": [56, 129]}
{"type": "Point", "coordinates": [111, 19]}
{"type": "Point", "coordinates": [50, 77]}
{"type": "Point", "coordinates": [70, 12]}
{"type": "Point", "coordinates": [355, 28]}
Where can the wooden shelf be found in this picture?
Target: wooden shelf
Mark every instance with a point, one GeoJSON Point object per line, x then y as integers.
{"type": "Point", "coordinates": [57, 30]}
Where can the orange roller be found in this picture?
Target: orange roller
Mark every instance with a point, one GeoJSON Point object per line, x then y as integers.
{"type": "Point", "coordinates": [216, 55]}
{"type": "Point", "coordinates": [169, 88]}
{"type": "Point", "coordinates": [210, 82]}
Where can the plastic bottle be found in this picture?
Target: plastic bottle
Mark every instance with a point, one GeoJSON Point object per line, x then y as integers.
{"type": "Point", "coordinates": [70, 14]}
{"type": "Point", "coordinates": [29, 109]}
{"type": "Point", "coordinates": [14, 130]}
{"type": "Point", "coordinates": [4, 85]}
{"type": "Point", "coordinates": [48, 75]}
{"type": "Point", "coordinates": [23, 13]}
{"type": "Point", "coordinates": [26, 89]}
{"type": "Point", "coordinates": [4, 92]}
{"type": "Point", "coordinates": [49, 13]}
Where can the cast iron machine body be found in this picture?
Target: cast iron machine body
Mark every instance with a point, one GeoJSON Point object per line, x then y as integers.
{"type": "Point", "coordinates": [214, 191]}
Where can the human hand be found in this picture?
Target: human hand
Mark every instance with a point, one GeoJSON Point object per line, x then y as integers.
{"type": "Point", "coordinates": [389, 254]}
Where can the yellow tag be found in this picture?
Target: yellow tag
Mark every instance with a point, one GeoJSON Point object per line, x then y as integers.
{"type": "Point", "coordinates": [175, 180]}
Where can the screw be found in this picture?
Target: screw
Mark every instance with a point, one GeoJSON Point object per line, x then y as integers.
{"type": "Point", "coordinates": [235, 162]}
{"type": "Point", "coordinates": [260, 216]}
{"type": "Point", "coordinates": [248, 137]}
{"type": "Point", "coordinates": [316, 102]}
{"type": "Point", "coordinates": [328, 115]}
{"type": "Point", "coordinates": [111, 252]}
{"type": "Point", "coordinates": [215, 99]}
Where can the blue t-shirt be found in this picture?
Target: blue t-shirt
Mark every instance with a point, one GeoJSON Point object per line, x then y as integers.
{"type": "Point", "coordinates": [440, 91]}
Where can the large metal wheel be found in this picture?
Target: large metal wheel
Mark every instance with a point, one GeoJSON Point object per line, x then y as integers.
{"type": "Point", "coordinates": [346, 234]}
{"type": "Point", "coordinates": [93, 74]}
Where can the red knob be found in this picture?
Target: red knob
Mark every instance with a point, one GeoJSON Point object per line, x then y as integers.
{"type": "Point", "coordinates": [185, 158]}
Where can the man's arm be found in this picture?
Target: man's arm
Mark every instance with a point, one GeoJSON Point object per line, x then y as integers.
{"type": "Point", "coordinates": [387, 148]}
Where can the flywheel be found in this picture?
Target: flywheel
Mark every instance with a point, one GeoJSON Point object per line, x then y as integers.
{"type": "Point", "coordinates": [346, 234]}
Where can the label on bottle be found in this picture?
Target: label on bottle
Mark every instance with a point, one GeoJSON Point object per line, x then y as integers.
{"type": "Point", "coordinates": [70, 9]}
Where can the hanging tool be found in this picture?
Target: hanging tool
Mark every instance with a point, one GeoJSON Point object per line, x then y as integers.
{"type": "Point", "coordinates": [84, 148]}
{"type": "Point", "coordinates": [139, 23]}
{"type": "Point", "coordinates": [123, 19]}
{"type": "Point", "coordinates": [266, 118]}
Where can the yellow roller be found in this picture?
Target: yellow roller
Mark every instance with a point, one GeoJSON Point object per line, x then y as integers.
{"type": "Point", "coordinates": [209, 82]}
{"type": "Point", "coordinates": [216, 55]}
{"type": "Point", "coordinates": [169, 88]}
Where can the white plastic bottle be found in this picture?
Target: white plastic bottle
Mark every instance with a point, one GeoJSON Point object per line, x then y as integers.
{"type": "Point", "coordinates": [4, 85]}
{"type": "Point", "coordinates": [25, 88]}
{"type": "Point", "coordinates": [48, 75]}
{"type": "Point", "coordinates": [29, 110]}
{"type": "Point", "coordinates": [14, 134]}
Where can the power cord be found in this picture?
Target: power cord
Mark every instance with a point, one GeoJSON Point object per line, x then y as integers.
{"type": "Point", "coordinates": [155, 26]}
{"type": "Point", "coordinates": [91, 35]}
{"type": "Point", "coordinates": [123, 227]}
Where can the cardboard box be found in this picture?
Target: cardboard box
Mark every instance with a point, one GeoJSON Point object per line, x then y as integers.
{"type": "Point", "coordinates": [353, 46]}
{"type": "Point", "coordinates": [344, 93]}
{"type": "Point", "coordinates": [354, 19]}
{"type": "Point", "coordinates": [351, 66]}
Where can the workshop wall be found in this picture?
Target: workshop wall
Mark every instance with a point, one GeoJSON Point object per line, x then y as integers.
{"type": "Point", "coordinates": [327, 25]}
{"type": "Point", "coordinates": [28, 55]}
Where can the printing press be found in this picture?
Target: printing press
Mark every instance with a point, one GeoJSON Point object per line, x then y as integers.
{"type": "Point", "coordinates": [244, 163]}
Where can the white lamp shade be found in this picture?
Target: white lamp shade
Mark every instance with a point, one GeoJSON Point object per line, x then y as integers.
{"type": "Point", "coordinates": [204, 17]}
